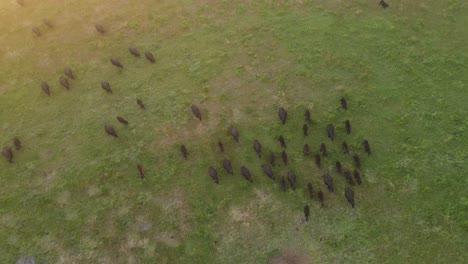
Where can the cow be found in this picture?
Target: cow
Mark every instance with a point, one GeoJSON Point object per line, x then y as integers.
{"type": "Point", "coordinates": [258, 148]}
{"type": "Point", "coordinates": [246, 173]}
{"type": "Point", "coordinates": [36, 31]}
{"type": "Point", "coordinates": [183, 150]}
{"type": "Point", "coordinates": [234, 133]}
{"type": "Point", "coordinates": [17, 143]}
{"type": "Point", "coordinates": [196, 112]}
{"type": "Point", "coordinates": [283, 184]}
{"type": "Point", "coordinates": [345, 147]}
{"type": "Point", "coordinates": [284, 156]}
{"type": "Point", "coordinates": [227, 166]}
{"type": "Point", "coordinates": [317, 160]}
{"type": "Point", "coordinates": [348, 127]}
{"type": "Point", "coordinates": [282, 115]}
{"type": "Point", "coordinates": [213, 174]}
{"type": "Point", "coordinates": [348, 177]}
{"type": "Point", "coordinates": [310, 190]}
{"type": "Point", "coordinates": [357, 161]}
{"type": "Point", "coordinates": [383, 4]}
{"type": "Point", "coordinates": [307, 115]}
{"type": "Point", "coordinates": [349, 194]}
{"type": "Point", "coordinates": [282, 142]}
{"type": "Point", "coordinates": [100, 28]}
{"type": "Point", "coordinates": [365, 143]}
{"type": "Point", "coordinates": [272, 159]}
{"type": "Point", "coordinates": [320, 196]}
{"type": "Point", "coordinates": [140, 103]}
{"type": "Point", "coordinates": [306, 150]}
{"type": "Point", "coordinates": [357, 176]}
{"type": "Point", "coordinates": [220, 146]}
{"type": "Point", "coordinates": [149, 56]}
{"type": "Point", "coordinates": [140, 171]}
{"type": "Point", "coordinates": [268, 171]}
{"type": "Point", "coordinates": [122, 120]}
{"type": "Point", "coordinates": [64, 82]}
{"type": "Point", "coordinates": [106, 86]}
{"type": "Point", "coordinates": [110, 130]}
{"type": "Point", "coordinates": [68, 72]}
{"type": "Point", "coordinates": [8, 154]}
{"type": "Point", "coordinates": [331, 131]}
{"type": "Point", "coordinates": [344, 103]}
{"type": "Point", "coordinates": [45, 88]}
{"type": "Point", "coordinates": [305, 129]}
{"type": "Point", "coordinates": [323, 149]}
{"type": "Point", "coordinates": [306, 212]}
{"type": "Point", "coordinates": [116, 62]}
{"type": "Point", "coordinates": [292, 179]}
{"type": "Point", "coordinates": [134, 51]}
{"type": "Point", "coordinates": [327, 179]}
{"type": "Point", "coordinates": [338, 167]}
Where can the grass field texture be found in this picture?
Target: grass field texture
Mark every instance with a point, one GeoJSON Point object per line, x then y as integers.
{"type": "Point", "coordinates": [73, 194]}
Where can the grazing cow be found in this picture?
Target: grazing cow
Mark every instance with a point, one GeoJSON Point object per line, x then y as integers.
{"type": "Point", "coordinates": [306, 212]}
{"type": "Point", "coordinates": [48, 23]}
{"type": "Point", "coordinates": [282, 142]}
{"type": "Point", "coordinates": [282, 114]}
{"type": "Point", "coordinates": [344, 104]}
{"type": "Point", "coordinates": [134, 51]}
{"type": "Point", "coordinates": [100, 28]}
{"type": "Point", "coordinates": [64, 82]}
{"type": "Point", "coordinates": [310, 190]}
{"type": "Point", "coordinates": [323, 149]}
{"type": "Point", "coordinates": [283, 184]}
{"type": "Point", "coordinates": [183, 150]}
{"type": "Point", "coordinates": [268, 171]}
{"type": "Point", "coordinates": [357, 176]}
{"type": "Point", "coordinates": [68, 72]}
{"type": "Point", "coordinates": [284, 156]}
{"type": "Point", "coordinates": [234, 133]}
{"type": "Point", "coordinates": [307, 115]}
{"type": "Point", "coordinates": [8, 154]}
{"type": "Point", "coordinates": [357, 161]}
{"type": "Point", "coordinates": [246, 173]}
{"type": "Point", "coordinates": [140, 171]}
{"type": "Point", "coordinates": [306, 150]}
{"type": "Point", "coordinates": [36, 31]}
{"type": "Point", "coordinates": [383, 4]}
{"type": "Point", "coordinates": [272, 159]}
{"type": "Point", "coordinates": [213, 174]}
{"type": "Point", "coordinates": [320, 196]}
{"type": "Point", "coordinates": [116, 62]}
{"type": "Point", "coordinates": [345, 147]}
{"type": "Point", "coordinates": [366, 147]}
{"type": "Point", "coordinates": [45, 88]}
{"type": "Point", "coordinates": [305, 129]}
{"type": "Point", "coordinates": [110, 130]}
{"type": "Point", "coordinates": [349, 194]}
{"type": "Point", "coordinates": [292, 179]}
{"type": "Point", "coordinates": [150, 57]}
{"type": "Point", "coordinates": [122, 120]}
{"type": "Point", "coordinates": [338, 167]}
{"type": "Point", "coordinates": [327, 179]}
{"type": "Point", "coordinates": [20, 2]}
{"type": "Point", "coordinates": [331, 131]}
{"type": "Point", "coordinates": [196, 112]}
{"type": "Point", "coordinates": [227, 166]}
{"type": "Point", "coordinates": [317, 160]}
{"type": "Point", "coordinates": [258, 148]}
{"type": "Point", "coordinates": [348, 127]}
{"type": "Point", "coordinates": [106, 86]}
{"type": "Point", "coordinates": [17, 143]}
{"type": "Point", "coordinates": [348, 177]}
{"type": "Point", "coordinates": [220, 146]}
{"type": "Point", "coordinates": [140, 103]}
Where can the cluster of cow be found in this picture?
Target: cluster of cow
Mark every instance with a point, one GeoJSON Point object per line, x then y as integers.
{"type": "Point", "coordinates": [291, 177]}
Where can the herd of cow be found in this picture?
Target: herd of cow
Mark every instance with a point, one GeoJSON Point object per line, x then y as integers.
{"type": "Point", "coordinates": [291, 177]}
{"type": "Point", "coordinates": [7, 151]}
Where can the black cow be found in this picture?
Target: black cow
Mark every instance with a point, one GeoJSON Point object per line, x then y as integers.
{"type": "Point", "coordinates": [234, 133]}
{"type": "Point", "coordinates": [183, 150]}
{"type": "Point", "coordinates": [349, 194]}
{"type": "Point", "coordinates": [338, 167]}
{"type": "Point", "coordinates": [327, 179]}
{"type": "Point", "coordinates": [45, 88]}
{"type": "Point", "coordinates": [213, 174]}
{"type": "Point", "coordinates": [344, 104]}
{"type": "Point", "coordinates": [122, 120]}
{"type": "Point", "coordinates": [331, 131]}
{"type": "Point", "coordinates": [282, 115]}
{"type": "Point", "coordinates": [345, 147]}
{"type": "Point", "coordinates": [110, 130]}
{"type": "Point", "coordinates": [272, 159]}
{"type": "Point", "coordinates": [106, 86]}
{"type": "Point", "coordinates": [306, 150]}
{"type": "Point", "coordinates": [357, 176]}
{"type": "Point", "coordinates": [317, 160]}
{"type": "Point", "coordinates": [306, 212]}
{"type": "Point", "coordinates": [227, 166]}
{"type": "Point", "coordinates": [220, 146]}
{"type": "Point", "coordinates": [323, 149]}
{"type": "Point", "coordinates": [150, 57]}
{"type": "Point", "coordinates": [140, 171]}
{"type": "Point", "coordinates": [8, 154]}
{"type": "Point", "coordinates": [284, 156]}
{"type": "Point", "coordinates": [292, 179]}
{"type": "Point", "coordinates": [246, 173]}
{"type": "Point", "coordinates": [116, 62]}
{"type": "Point", "coordinates": [357, 161]}
{"type": "Point", "coordinates": [383, 4]}
{"type": "Point", "coordinates": [140, 103]}
{"type": "Point", "coordinates": [348, 127]}
{"type": "Point", "coordinates": [134, 51]}
{"type": "Point", "coordinates": [305, 129]}
{"type": "Point", "coordinates": [348, 177]}
{"type": "Point", "coordinates": [320, 196]}
{"type": "Point", "coordinates": [268, 171]}
{"type": "Point", "coordinates": [196, 112]}
{"type": "Point", "coordinates": [17, 143]}
{"type": "Point", "coordinates": [365, 143]}
{"type": "Point", "coordinates": [258, 148]}
{"type": "Point", "coordinates": [282, 142]}
{"type": "Point", "coordinates": [307, 115]}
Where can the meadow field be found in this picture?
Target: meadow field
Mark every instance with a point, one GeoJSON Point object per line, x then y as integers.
{"type": "Point", "coordinates": [73, 194]}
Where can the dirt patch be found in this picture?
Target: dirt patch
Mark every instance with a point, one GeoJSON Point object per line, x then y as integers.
{"type": "Point", "coordinates": [289, 257]}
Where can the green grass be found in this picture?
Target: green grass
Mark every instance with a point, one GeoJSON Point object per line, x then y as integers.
{"type": "Point", "coordinates": [73, 194]}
